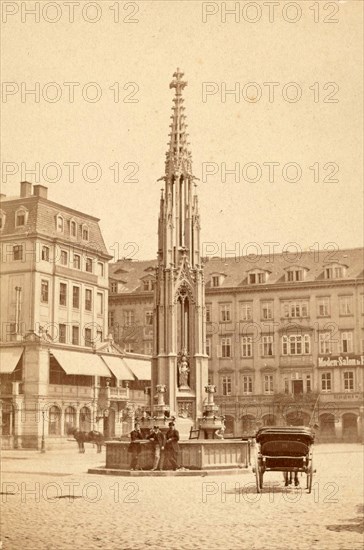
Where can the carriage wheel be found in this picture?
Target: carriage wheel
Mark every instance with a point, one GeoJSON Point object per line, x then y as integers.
{"type": "Point", "coordinates": [310, 476]}
{"type": "Point", "coordinates": [258, 476]}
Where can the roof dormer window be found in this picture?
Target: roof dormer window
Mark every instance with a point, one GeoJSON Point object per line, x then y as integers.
{"type": "Point", "coordinates": [21, 216]}
{"type": "Point", "coordinates": [217, 279]}
{"type": "Point", "coordinates": [60, 223]}
{"type": "Point", "coordinates": [257, 277]}
{"type": "Point", "coordinates": [295, 274]}
{"type": "Point", "coordinates": [2, 219]}
{"type": "Point", "coordinates": [148, 285]}
{"type": "Point", "coordinates": [85, 232]}
{"type": "Point", "coordinates": [73, 228]}
{"type": "Point", "coordinates": [335, 271]}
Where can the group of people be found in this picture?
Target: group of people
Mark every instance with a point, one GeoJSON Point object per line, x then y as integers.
{"type": "Point", "coordinates": [165, 447]}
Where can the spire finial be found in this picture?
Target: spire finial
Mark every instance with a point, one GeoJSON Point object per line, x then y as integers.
{"type": "Point", "coordinates": [177, 82]}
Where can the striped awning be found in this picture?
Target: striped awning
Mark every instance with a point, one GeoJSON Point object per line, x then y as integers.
{"type": "Point", "coordinates": [81, 363]}
{"type": "Point", "coordinates": [118, 367]}
{"type": "Point", "coordinates": [9, 358]}
{"type": "Point", "coordinates": [141, 368]}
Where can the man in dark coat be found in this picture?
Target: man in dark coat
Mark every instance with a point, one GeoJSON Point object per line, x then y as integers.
{"type": "Point", "coordinates": [135, 448]}
{"type": "Point", "coordinates": [172, 447]}
{"type": "Point", "coordinates": [157, 439]}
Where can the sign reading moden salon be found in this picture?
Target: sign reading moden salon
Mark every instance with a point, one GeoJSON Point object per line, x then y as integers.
{"type": "Point", "coordinates": [341, 361]}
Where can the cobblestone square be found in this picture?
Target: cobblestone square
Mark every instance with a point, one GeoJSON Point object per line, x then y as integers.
{"type": "Point", "coordinates": [50, 502]}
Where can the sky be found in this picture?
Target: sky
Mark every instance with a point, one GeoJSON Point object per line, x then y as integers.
{"type": "Point", "coordinates": [279, 158]}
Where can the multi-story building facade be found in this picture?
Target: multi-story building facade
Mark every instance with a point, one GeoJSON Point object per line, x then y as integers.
{"type": "Point", "coordinates": [284, 336]}
{"type": "Point", "coordinates": [55, 355]}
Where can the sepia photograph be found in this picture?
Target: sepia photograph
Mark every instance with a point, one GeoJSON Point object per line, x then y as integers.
{"type": "Point", "coordinates": [182, 275]}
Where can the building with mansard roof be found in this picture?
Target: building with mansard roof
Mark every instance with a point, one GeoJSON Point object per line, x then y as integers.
{"type": "Point", "coordinates": [55, 354]}
{"type": "Point", "coordinates": [284, 335]}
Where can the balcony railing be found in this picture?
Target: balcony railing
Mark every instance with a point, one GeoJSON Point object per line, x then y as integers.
{"type": "Point", "coordinates": [59, 390]}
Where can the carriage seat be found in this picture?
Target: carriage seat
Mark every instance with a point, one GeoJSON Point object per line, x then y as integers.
{"type": "Point", "coordinates": [284, 448]}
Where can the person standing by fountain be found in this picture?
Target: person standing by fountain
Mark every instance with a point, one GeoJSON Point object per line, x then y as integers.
{"type": "Point", "coordinates": [157, 438]}
{"type": "Point", "coordinates": [172, 447]}
{"type": "Point", "coordinates": [134, 447]}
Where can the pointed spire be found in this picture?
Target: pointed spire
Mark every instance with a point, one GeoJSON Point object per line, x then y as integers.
{"type": "Point", "coordinates": [178, 156]}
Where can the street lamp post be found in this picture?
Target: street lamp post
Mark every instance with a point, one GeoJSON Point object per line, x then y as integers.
{"type": "Point", "coordinates": [42, 445]}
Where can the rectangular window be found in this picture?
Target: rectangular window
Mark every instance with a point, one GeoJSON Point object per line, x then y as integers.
{"type": "Point", "coordinates": [345, 305]}
{"type": "Point", "coordinates": [308, 383]}
{"type": "Point", "coordinates": [62, 334]}
{"type": "Point", "coordinates": [267, 346]}
{"type": "Point", "coordinates": [20, 219]}
{"type": "Point", "coordinates": [88, 337]}
{"type": "Point", "coordinates": [113, 287]}
{"type": "Point", "coordinates": [208, 347]}
{"type": "Point", "coordinates": [75, 335]}
{"type": "Point", "coordinates": [294, 309]}
{"type": "Point", "coordinates": [225, 348]}
{"type": "Point", "coordinates": [129, 347]}
{"type": "Point", "coordinates": [296, 344]}
{"type": "Point", "coordinates": [99, 336]}
{"type": "Point", "coordinates": [62, 294]}
{"type": "Point", "coordinates": [111, 318]}
{"type": "Point", "coordinates": [149, 318]}
{"type": "Point", "coordinates": [88, 265]}
{"type": "Point", "coordinates": [76, 297]}
{"type": "Point", "coordinates": [325, 342]}
{"type": "Point", "coordinates": [88, 299]}
{"type": "Point", "coordinates": [326, 381]}
{"type": "Point", "coordinates": [64, 257]}
{"type": "Point", "coordinates": [226, 385]}
{"type": "Point", "coordinates": [246, 346]}
{"type": "Point", "coordinates": [268, 383]}
{"type": "Point", "coordinates": [85, 233]}
{"type": "Point", "coordinates": [18, 252]}
{"type": "Point", "coordinates": [100, 303]}
{"type": "Point", "coordinates": [346, 342]}
{"type": "Point", "coordinates": [246, 311]}
{"type": "Point", "coordinates": [128, 317]}
{"type": "Point", "coordinates": [348, 380]}
{"type": "Point", "coordinates": [295, 275]}
{"type": "Point", "coordinates": [44, 291]}
{"type": "Point", "coordinates": [267, 310]}
{"type": "Point", "coordinates": [100, 269]}
{"type": "Point", "coordinates": [225, 313]}
{"type": "Point", "coordinates": [208, 313]}
{"type": "Point", "coordinates": [76, 261]}
{"type": "Point", "coordinates": [247, 385]}
{"type": "Point", "coordinates": [73, 229]}
{"type": "Point", "coordinates": [45, 253]}
{"type": "Point", "coordinates": [323, 307]}
{"type": "Point", "coordinates": [215, 280]}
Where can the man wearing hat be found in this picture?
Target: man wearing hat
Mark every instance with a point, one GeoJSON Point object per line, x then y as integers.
{"type": "Point", "coordinates": [172, 447]}
{"type": "Point", "coordinates": [134, 447]}
{"type": "Point", "coordinates": [157, 439]}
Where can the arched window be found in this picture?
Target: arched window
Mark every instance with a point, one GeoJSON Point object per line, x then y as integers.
{"type": "Point", "coordinates": [73, 228]}
{"type": "Point", "coordinates": [21, 217]}
{"type": "Point", "coordinates": [69, 419]}
{"type": "Point", "coordinates": [60, 223]}
{"type": "Point", "coordinates": [54, 425]}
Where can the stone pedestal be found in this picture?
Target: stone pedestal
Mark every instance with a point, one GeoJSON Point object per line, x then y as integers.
{"type": "Point", "coordinates": [193, 455]}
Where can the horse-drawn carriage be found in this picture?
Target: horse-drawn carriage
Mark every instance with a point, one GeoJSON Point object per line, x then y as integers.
{"type": "Point", "coordinates": [284, 449]}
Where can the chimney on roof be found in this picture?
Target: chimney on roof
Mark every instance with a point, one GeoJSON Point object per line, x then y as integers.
{"type": "Point", "coordinates": [25, 189]}
{"type": "Point", "coordinates": [40, 191]}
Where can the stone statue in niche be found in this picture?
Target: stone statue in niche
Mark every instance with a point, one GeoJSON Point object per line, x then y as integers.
{"type": "Point", "coordinates": [183, 370]}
